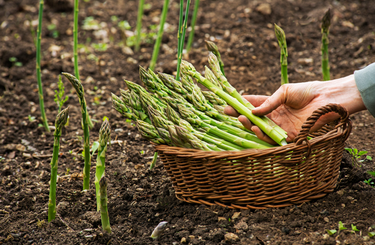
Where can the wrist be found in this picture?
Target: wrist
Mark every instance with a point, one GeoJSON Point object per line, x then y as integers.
{"type": "Point", "coordinates": [344, 91]}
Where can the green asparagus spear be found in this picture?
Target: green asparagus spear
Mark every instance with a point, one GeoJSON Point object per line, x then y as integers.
{"type": "Point", "coordinates": [280, 35]}
{"type": "Point", "coordinates": [326, 22]}
{"type": "Point", "coordinates": [61, 120]}
{"type": "Point", "coordinates": [211, 46]}
{"type": "Point", "coordinates": [104, 205]}
{"type": "Point", "coordinates": [86, 133]}
{"type": "Point", "coordinates": [104, 138]}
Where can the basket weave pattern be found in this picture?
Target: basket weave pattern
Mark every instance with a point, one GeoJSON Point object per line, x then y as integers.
{"type": "Point", "coordinates": [259, 179]}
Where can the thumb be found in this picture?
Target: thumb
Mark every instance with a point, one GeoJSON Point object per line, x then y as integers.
{"type": "Point", "coordinates": [273, 102]}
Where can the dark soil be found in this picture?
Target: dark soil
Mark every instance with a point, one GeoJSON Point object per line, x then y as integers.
{"type": "Point", "coordinates": [140, 198]}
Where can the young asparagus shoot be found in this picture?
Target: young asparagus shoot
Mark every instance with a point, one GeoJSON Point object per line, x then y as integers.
{"type": "Point", "coordinates": [181, 36]}
{"type": "Point", "coordinates": [280, 35]}
{"type": "Point", "coordinates": [192, 25]}
{"type": "Point", "coordinates": [61, 119]}
{"type": "Point", "coordinates": [103, 205]}
{"type": "Point", "coordinates": [155, 53]}
{"type": "Point", "coordinates": [326, 22]}
{"type": "Point", "coordinates": [85, 125]}
{"type": "Point", "coordinates": [139, 24]}
{"type": "Point", "coordinates": [104, 138]}
{"type": "Point", "coordinates": [75, 39]}
{"type": "Point", "coordinates": [158, 231]}
{"type": "Point", "coordinates": [211, 46]}
{"type": "Point", "coordinates": [59, 95]}
{"type": "Point", "coordinates": [38, 67]}
{"type": "Point", "coordinates": [154, 159]}
{"type": "Point", "coordinates": [267, 127]}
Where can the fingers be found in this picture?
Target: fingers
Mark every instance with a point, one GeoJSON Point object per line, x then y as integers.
{"type": "Point", "coordinates": [256, 100]}
{"type": "Point", "coordinates": [272, 102]}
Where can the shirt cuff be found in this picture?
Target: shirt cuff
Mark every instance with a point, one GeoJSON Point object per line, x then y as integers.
{"type": "Point", "coordinates": [365, 80]}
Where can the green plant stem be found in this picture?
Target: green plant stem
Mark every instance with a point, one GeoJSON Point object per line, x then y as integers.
{"type": "Point", "coordinates": [86, 133]}
{"type": "Point", "coordinates": [75, 37]}
{"type": "Point", "coordinates": [280, 35]}
{"type": "Point", "coordinates": [181, 37]}
{"type": "Point", "coordinates": [60, 122]}
{"type": "Point", "coordinates": [153, 162]}
{"type": "Point", "coordinates": [193, 21]}
{"type": "Point", "coordinates": [155, 53]}
{"type": "Point", "coordinates": [104, 138]}
{"type": "Point", "coordinates": [104, 205]}
{"type": "Point", "coordinates": [38, 68]}
{"type": "Point", "coordinates": [139, 24]}
{"type": "Point", "coordinates": [326, 22]}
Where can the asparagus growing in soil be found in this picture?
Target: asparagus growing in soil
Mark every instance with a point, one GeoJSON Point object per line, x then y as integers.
{"type": "Point", "coordinates": [181, 36]}
{"type": "Point", "coordinates": [139, 24]}
{"type": "Point", "coordinates": [75, 39]}
{"type": "Point", "coordinates": [38, 71]}
{"type": "Point", "coordinates": [104, 138]}
{"type": "Point", "coordinates": [103, 205]}
{"type": "Point", "coordinates": [86, 133]}
{"type": "Point", "coordinates": [326, 22]}
{"type": "Point", "coordinates": [280, 35]}
{"type": "Point", "coordinates": [211, 46]}
{"type": "Point", "coordinates": [193, 21]}
{"type": "Point", "coordinates": [268, 128]}
{"type": "Point", "coordinates": [60, 122]}
{"type": "Point", "coordinates": [155, 53]}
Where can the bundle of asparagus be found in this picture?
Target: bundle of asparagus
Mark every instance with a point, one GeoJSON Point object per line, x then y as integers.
{"type": "Point", "coordinates": [179, 113]}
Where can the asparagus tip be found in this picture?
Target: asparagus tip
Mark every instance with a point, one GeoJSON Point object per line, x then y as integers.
{"type": "Point", "coordinates": [326, 21]}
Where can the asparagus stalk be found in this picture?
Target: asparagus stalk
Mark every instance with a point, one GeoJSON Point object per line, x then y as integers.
{"type": "Point", "coordinates": [211, 46]}
{"type": "Point", "coordinates": [221, 125]}
{"type": "Point", "coordinates": [75, 39]}
{"type": "Point", "coordinates": [104, 138]}
{"type": "Point", "coordinates": [326, 22]}
{"type": "Point", "coordinates": [104, 205]}
{"type": "Point", "coordinates": [61, 119]}
{"type": "Point", "coordinates": [268, 128]}
{"type": "Point", "coordinates": [195, 120]}
{"type": "Point", "coordinates": [81, 96]}
{"type": "Point", "coordinates": [155, 53]}
{"type": "Point", "coordinates": [280, 35]}
{"type": "Point", "coordinates": [177, 120]}
{"type": "Point", "coordinates": [148, 131]}
{"type": "Point", "coordinates": [139, 24]}
{"type": "Point", "coordinates": [226, 86]}
{"type": "Point", "coordinates": [38, 68]}
{"type": "Point", "coordinates": [211, 76]}
{"type": "Point", "coordinates": [126, 111]}
{"type": "Point", "coordinates": [213, 98]}
{"type": "Point", "coordinates": [193, 21]}
{"type": "Point", "coordinates": [181, 36]}
{"type": "Point", "coordinates": [186, 136]}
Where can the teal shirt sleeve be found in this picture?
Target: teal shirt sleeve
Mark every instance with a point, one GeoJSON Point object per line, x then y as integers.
{"type": "Point", "coordinates": [365, 80]}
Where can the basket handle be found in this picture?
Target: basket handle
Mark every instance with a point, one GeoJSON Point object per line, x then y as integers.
{"type": "Point", "coordinates": [311, 120]}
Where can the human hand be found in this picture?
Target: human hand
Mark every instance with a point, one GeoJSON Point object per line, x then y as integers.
{"type": "Point", "coordinates": [292, 104]}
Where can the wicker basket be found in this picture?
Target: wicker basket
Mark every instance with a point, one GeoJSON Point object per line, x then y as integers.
{"type": "Point", "coordinates": [259, 179]}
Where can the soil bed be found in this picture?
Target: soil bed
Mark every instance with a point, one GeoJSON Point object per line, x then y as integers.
{"type": "Point", "coordinates": [140, 198]}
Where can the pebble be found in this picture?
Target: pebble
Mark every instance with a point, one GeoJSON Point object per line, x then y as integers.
{"type": "Point", "coordinates": [231, 237]}
{"type": "Point", "coordinates": [264, 8]}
